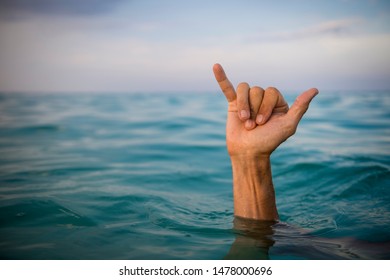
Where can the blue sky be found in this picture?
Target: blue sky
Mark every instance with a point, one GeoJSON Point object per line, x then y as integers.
{"type": "Point", "coordinates": [142, 46]}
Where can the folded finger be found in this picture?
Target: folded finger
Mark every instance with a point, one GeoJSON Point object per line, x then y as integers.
{"type": "Point", "coordinates": [243, 101]}
{"type": "Point", "coordinates": [255, 98]}
{"type": "Point", "coordinates": [273, 102]}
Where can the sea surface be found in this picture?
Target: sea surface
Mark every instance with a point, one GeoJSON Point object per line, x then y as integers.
{"type": "Point", "coordinates": [147, 176]}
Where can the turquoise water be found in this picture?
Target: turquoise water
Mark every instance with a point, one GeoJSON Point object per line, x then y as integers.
{"type": "Point", "coordinates": [147, 176]}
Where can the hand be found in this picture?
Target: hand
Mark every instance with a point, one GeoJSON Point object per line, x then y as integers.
{"type": "Point", "coordinates": [259, 120]}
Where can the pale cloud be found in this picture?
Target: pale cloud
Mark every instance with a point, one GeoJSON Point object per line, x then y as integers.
{"type": "Point", "coordinates": [341, 27]}
{"type": "Point", "coordinates": [122, 53]}
{"type": "Point", "coordinates": [334, 27]}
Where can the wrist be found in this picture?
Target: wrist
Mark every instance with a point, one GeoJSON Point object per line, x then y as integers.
{"type": "Point", "coordinates": [254, 194]}
{"type": "Point", "coordinates": [250, 159]}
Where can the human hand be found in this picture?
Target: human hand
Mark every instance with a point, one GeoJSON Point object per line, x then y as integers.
{"type": "Point", "coordinates": [259, 120]}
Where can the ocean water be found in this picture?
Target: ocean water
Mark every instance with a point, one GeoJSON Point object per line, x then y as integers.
{"type": "Point", "coordinates": [147, 176]}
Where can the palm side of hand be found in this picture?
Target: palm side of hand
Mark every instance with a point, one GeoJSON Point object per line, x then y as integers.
{"type": "Point", "coordinates": [259, 138]}
{"type": "Point", "coordinates": [260, 141]}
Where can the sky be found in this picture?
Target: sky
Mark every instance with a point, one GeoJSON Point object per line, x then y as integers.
{"type": "Point", "coordinates": [164, 46]}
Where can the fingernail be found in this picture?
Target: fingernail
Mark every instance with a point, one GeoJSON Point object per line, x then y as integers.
{"type": "Point", "coordinates": [244, 114]}
{"type": "Point", "coordinates": [259, 118]}
{"type": "Point", "coordinates": [249, 124]}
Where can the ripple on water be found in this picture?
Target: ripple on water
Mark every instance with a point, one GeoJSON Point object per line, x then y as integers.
{"type": "Point", "coordinates": [148, 177]}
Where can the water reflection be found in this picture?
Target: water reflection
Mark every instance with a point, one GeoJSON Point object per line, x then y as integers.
{"type": "Point", "coordinates": [269, 240]}
{"type": "Point", "coordinates": [253, 239]}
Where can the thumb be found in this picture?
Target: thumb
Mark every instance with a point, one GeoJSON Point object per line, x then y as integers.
{"type": "Point", "coordinates": [301, 104]}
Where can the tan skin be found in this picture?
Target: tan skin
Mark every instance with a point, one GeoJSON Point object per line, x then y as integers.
{"type": "Point", "coordinates": [258, 122]}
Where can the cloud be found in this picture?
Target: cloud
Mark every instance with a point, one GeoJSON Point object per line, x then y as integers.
{"type": "Point", "coordinates": [335, 27]}
{"type": "Point", "coordinates": [136, 49]}
{"type": "Point", "coordinates": [19, 9]}
{"type": "Point", "coordinates": [329, 28]}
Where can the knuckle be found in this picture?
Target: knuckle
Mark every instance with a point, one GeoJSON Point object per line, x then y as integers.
{"type": "Point", "coordinates": [272, 90]}
{"type": "Point", "coordinates": [256, 90]}
{"type": "Point", "coordinates": [226, 88]}
{"type": "Point", "coordinates": [242, 86]}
